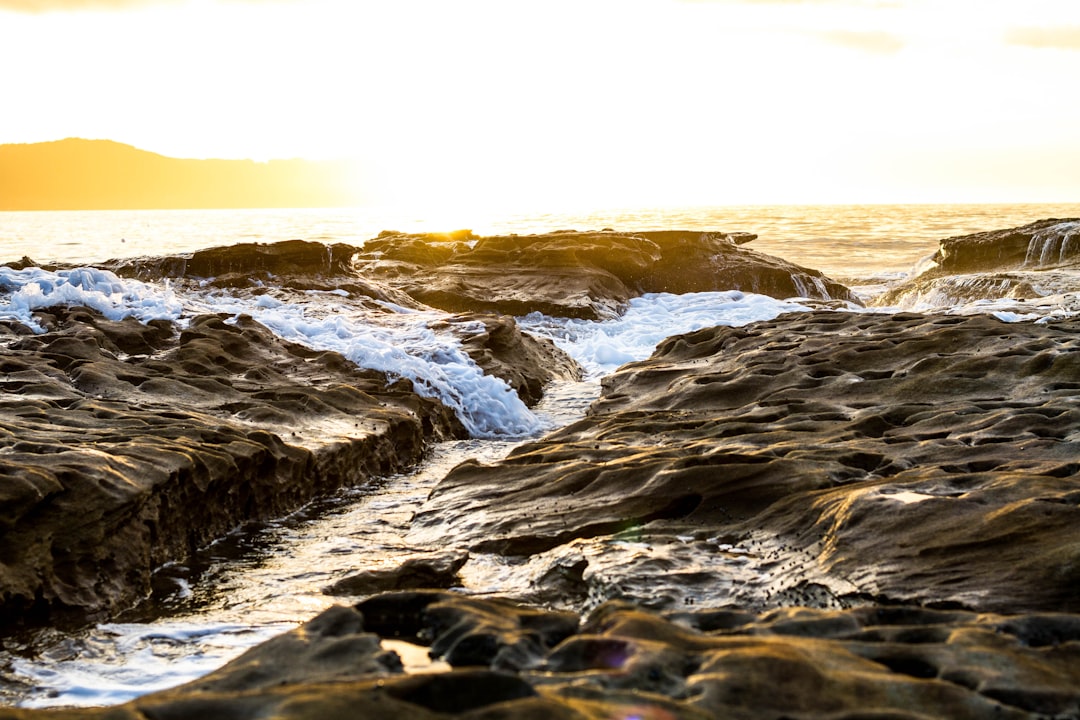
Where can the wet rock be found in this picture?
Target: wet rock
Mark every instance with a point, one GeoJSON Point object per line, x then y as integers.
{"type": "Point", "coordinates": [432, 572]}
{"type": "Point", "coordinates": [702, 262]}
{"type": "Point", "coordinates": [123, 446]}
{"type": "Point", "coordinates": [297, 265]}
{"type": "Point", "coordinates": [881, 661]}
{"type": "Point", "coordinates": [525, 362]}
{"type": "Point", "coordinates": [1039, 260]}
{"type": "Point", "coordinates": [1039, 244]}
{"type": "Point", "coordinates": [819, 459]}
{"type": "Point", "coordinates": [571, 274]}
{"type": "Point", "coordinates": [331, 647]}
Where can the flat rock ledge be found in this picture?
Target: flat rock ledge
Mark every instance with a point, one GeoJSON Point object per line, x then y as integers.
{"type": "Point", "coordinates": [822, 458]}
{"type": "Point", "coordinates": [501, 660]}
{"type": "Point", "coordinates": [124, 446]}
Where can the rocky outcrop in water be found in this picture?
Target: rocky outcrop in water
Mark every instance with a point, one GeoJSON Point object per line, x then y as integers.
{"type": "Point", "coordinates": [571, 274]}
{"type": "Point", "coordinates": [1028, 263]}
{"type": "Point", "coordinates": [294, 264]}
{"type": "Point", "coordinates": [526, 363]}
{"type": "Point", "coordinates": [564, 274]}
{"type": "Point", "coordinates": [823, 459]}
{"type": "Point", "coordinates": [501, 660]}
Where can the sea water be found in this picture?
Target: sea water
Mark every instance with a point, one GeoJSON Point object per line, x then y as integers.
{"type": "Point", "coordinates": [262, 580]}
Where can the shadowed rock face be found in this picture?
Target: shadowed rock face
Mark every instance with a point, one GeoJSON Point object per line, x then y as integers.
{"type": "Point", "coordinates": [917, 458]}
{"type": "Point", "coordinates": [1043, 243]}
{"type": "Point", "coordinates": [510, 661]}
{"type": "Point", "coordinates": [123, 446]}
{"type": "Point", "coordinates": [571, 274]}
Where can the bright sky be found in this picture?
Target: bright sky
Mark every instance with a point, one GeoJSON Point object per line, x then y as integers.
{"type": "Point", "coordinates": [558, 103]}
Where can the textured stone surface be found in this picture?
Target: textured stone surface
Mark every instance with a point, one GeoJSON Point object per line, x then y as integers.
{"type": "Point", "coordinates": [845, 456]}
{"type": "Point", "coordinates": [527, 363]}
{"type": "Point", "coordinates": [571, 274]}
{"type": "Point", "coordinates": [123, 446]}
{"type": "Point", "coordinates": [510, 661]}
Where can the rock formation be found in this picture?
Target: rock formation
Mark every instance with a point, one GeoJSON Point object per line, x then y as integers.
{"type": "Point", "coordinates": [509, 661]}
{"type": "Point", "coordinates": [123, 445]}
{"type": "Point", "coordinates": [584, 275]}
{"type": "Point", "coordinates": [127, 445]}
{"type": "Point", "coordinates": [819, 459]}
{"type": "Point", "coordinates": [1039, 260]}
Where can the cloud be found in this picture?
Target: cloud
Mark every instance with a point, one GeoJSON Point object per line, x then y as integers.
{"type": "Point", "coordinates": [1058, 38]}
{"type": "Point", "coordinates": [872, 41]}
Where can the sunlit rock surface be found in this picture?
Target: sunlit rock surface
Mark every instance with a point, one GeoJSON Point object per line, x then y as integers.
{"type": "Point", "coordinates": [823, 459]}
{"type": "Point", "coordinates": [500, 660]}
{"type": "Point", "coordinates": [578, 274]}
{"type": "Point", "coordinates": [1037, 265]}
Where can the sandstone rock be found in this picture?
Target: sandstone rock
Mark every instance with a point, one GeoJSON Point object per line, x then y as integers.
{"type": "Point", "coordinates": [511, 661]}
{"type": "Point", "coordinates": [1039, 244]}
{"type": "Point", "coordinates": [525, 362]}
{"type": "Point", "coordinates": [571, 274]}
{"type": "Point", "coordinates": [821, 458]}
{"type": "Point", "coordinates": [123, 446]}
{"type": "Point", "coordinates": [438, 572]}
{"type": "Point", "coordinates": [291, 264]}
{"type": "Point", "coordinates": [565, 274]}
{"type": "Point", "coordinates": [1038, 260]}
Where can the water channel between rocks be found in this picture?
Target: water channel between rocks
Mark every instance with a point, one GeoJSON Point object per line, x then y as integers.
{"type": "Point", "coordinates": [256, 583]}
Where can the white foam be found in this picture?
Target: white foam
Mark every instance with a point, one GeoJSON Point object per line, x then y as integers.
{"type": "Point", "coordinates": [24, 291]}
{"type": "Point", "coordinates": [600, 347]}
{"type": "Point", "coordinates": [399, 344]}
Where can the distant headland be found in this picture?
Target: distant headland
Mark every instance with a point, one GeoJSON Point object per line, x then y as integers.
{"type": "Point", "coordinates": [79, 174]}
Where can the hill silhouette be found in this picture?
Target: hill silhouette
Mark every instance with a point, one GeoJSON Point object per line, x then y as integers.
{"type": "Point", "coordinates": [77, 174]}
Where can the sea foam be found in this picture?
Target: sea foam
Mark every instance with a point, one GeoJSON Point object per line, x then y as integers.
{"type": "Point", "coordinates": [600, 347]}
{"type": "Point", "coordinates": [395, 341]}
{"type": "Point", "coordinates": [401, 344]}
{"type": "Point", "coordinates": [35, 289]}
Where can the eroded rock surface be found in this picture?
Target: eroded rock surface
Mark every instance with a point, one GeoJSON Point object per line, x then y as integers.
{"type": "Point", "coordinates": [511, 661]}
{"type": "Point", "coordinates": [822, 458]}
{"type": "Point", "coordinates": [123, 446]}
{"type": "Point", "coordinates": [571, 274]}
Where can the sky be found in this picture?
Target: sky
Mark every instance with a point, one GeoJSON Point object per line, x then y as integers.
{"type": "Point", "coordinates": [574, 105]}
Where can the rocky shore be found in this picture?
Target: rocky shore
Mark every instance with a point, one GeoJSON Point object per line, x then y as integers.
{"type": "Point", "coordinates": [504, 660]}
{"type": "Point", "coordinates": [826, 515]}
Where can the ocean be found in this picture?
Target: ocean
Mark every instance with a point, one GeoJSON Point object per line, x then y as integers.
{"type": "Point", "coordinates": [264, 579]}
